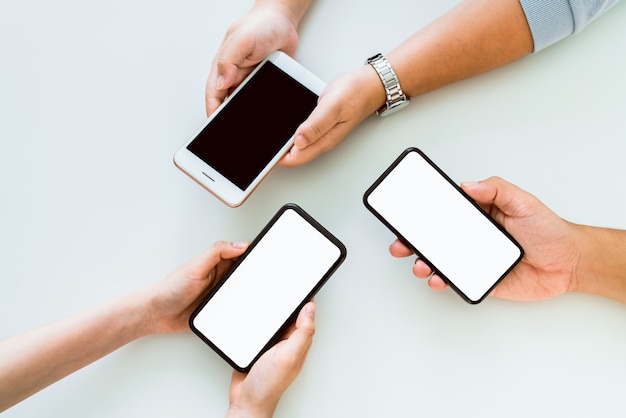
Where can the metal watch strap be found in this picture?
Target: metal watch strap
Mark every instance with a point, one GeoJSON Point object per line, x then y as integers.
{"type": "Point", "coordinates": [396, 99]}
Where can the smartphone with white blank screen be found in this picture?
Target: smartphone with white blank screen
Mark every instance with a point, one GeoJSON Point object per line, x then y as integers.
{"type": "Point", "coordinates": [262, 294]}
{"type": "Point", "coordinates": [441, 224]}
{"type": "Point", "coordinates": [239, 144]}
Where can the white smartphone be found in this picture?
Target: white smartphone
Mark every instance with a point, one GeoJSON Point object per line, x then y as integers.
{"type": "Point", "coordinates": [246, 136]}
{"type": "Point", "coordinates": [443, 225]}
{"type": "Point", "coordinates": [262, 294]}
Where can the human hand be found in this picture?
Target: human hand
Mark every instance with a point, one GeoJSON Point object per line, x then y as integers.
{"type": "Point", "coordinates": [171, 301]}
{"type": "Point", "coordinates": [265, 29]}
{"type": "Point", "coordinates": [343, 105]}
{"type": "Point", "coordinates": [256, 394]}
{"type": "Point", "coordinates": [550, 243]}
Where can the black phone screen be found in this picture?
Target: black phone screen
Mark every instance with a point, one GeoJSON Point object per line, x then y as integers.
{"type": "Point", "coordinates": [254, 125]}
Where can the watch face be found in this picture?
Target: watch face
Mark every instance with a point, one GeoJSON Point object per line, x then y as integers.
{"type": "Point", "coordinates": [393, 108]}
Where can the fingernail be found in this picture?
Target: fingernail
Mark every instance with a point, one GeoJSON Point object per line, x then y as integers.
{"type": "Point", "coordinates": [240, 245]}
{"type": "Point", "coordinates": [469, 184]}
{"type": "Point", "coordinates": [219, 84]}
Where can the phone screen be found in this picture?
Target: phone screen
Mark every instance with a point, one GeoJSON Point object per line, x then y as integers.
{"type": "Point", "coordinates": [241, 140]}
{"type": "Point", "coordinates": [259, 297]}
{"type": "Point", "coordinates": [432, 215]}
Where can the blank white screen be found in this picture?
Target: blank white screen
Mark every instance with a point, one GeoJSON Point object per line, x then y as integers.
{"type": "Point", "coordinates": [431, 214]}
{"type": "Point", "coordinates": [266, 288]}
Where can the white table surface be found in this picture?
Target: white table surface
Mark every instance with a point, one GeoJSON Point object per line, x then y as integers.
{"type": "Point", "coordinates": [96, 97]}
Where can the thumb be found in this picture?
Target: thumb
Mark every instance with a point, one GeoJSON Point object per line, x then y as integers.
{"type": "Point", "coordinates": [495, 191]}
{"type": "Point", "coordinates": [323, 118]}
{"type": "Point", "coordinates": [300, 340]}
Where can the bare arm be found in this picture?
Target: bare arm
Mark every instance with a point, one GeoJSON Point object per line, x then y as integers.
{"type": "Point", "coordinates": [474, 37]}
{"type": "Point", "coordinates": [36, 359]}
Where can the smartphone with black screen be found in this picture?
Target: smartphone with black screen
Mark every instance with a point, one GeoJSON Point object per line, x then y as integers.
{"type": "Point", "coordinates": [262, 294]}
{"type": "Point", "coordinates": [239, 144]}
{"type": "Point", "coordinates": [443, 225]}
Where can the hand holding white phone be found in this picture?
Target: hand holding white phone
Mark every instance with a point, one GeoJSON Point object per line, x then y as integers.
{"type": "Point", "coordinates": [447, 229]}
{"type": "Point", "coordinates": [261, 295]}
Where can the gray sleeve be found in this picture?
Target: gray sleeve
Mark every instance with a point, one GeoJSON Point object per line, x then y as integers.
{"type": "Point", "coordinates": [552, 20]}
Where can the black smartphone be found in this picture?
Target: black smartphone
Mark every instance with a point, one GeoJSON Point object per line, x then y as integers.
{"type": "Point", "coordinates": [262, 294]}
{"type": "Point", "coordinates": [443, 225]}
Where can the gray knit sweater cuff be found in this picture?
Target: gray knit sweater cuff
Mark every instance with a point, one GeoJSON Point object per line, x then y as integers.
{"type": "Point", "coordinates": [552, 20]}
{"type": "Point", "coordinates": [549, 21]}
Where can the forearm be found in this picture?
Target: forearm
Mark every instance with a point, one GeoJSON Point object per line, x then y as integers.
{"type": "Point", "coordinates": [36, 359]}
{"type": "Point", "coordinates": [474, 37]}
{"type": "Point", "coordinates": [294, 9]}
{"type": "Point", "coordinates": [601, 267]}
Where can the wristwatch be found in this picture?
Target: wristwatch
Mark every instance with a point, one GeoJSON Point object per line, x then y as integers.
{"type": "Point", "coordinates": [396, 99]}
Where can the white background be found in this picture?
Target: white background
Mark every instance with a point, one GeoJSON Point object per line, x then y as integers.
{"type": "Point", "coordinates": [96, 97]}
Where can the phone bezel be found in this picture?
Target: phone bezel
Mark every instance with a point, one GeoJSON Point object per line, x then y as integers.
{"type": "Point", "coordinates": [289, 320]}
{"type": "Point", "coordinates": [211, 179]}
{"type": "Point", "coordinates": [413, 248]}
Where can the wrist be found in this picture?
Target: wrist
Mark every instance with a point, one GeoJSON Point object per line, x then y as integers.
{"type": "Point", "coordinates": [238, 412]}
{"type": "Point", "coordinates": [374, 95]}
{"type": "Point", "coordinates": [140, 311]}
{"type": "Point", "coordinates": [395, 98]}
{"type": "Point", "coordinates": [293, 10]}
{"type": "Point", "coordinates": [601, 264]}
